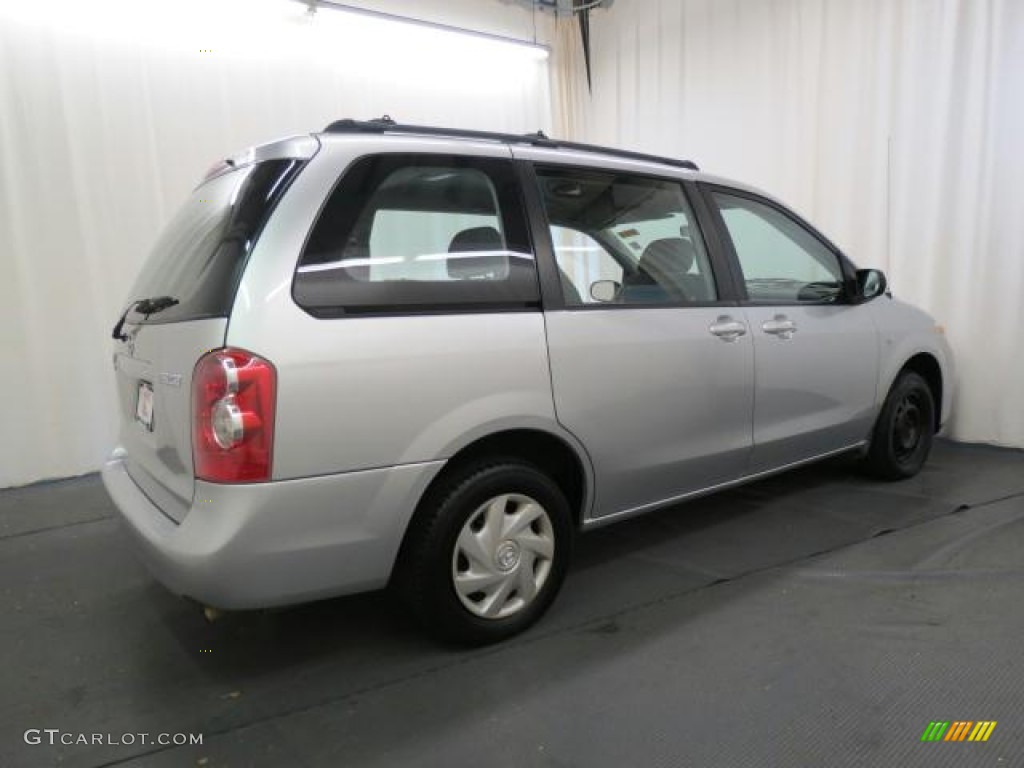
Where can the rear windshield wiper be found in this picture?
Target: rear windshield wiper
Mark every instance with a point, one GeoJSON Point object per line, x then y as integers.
{"type": "Point", "coordinates": [145, 307]}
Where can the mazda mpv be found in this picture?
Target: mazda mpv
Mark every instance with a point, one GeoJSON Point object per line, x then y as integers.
{"type": "Point", "coordinates": [387, 355]}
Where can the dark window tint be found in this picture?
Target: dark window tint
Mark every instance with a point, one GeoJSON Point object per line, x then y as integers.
{"type": "Point", "coordinates": [624, 239]}
{"type": "Point", "coordinates": [781, 261]}
{"type": "Point", "coordinates": [201, 254]}
{"type": "Point", "coordinates": [419, 232]}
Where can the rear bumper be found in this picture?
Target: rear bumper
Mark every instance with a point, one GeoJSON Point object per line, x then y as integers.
{"type": "Point", "coordinates": [267, 544]}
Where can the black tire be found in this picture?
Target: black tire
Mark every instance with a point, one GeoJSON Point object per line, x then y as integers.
{"type": "Point", "coordinates": [426, 570]}
{"type": "Point", "coordinates": [902, 438]}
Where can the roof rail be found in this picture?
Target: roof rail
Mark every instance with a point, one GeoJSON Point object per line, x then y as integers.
{"type": "Point", "coordinates": [386, 125]}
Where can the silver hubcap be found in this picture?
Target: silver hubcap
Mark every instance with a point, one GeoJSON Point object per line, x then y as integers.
{"type": "Point", "coordinates": [503, 556]}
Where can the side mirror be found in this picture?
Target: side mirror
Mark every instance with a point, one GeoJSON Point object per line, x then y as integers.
{"type": "Point", "coordinates": [605, 291]}
{"type": "Point", "coordinates": [871, 283]}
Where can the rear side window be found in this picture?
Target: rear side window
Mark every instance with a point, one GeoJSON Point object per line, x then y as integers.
{"type": "Point", "coordinates": [201, 254]}
{"type": "Point", "coordinates": [624, 239]}
{"type": "Point", "coordinates": [419, 233]}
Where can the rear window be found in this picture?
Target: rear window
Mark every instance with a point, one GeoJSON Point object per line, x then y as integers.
{"type": "Point", "coordinates": [201, 254]}
{"type": "Point", "coordinates": [419, 233]}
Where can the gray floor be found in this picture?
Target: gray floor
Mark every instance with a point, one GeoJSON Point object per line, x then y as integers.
{"type": "Point", "coordinates": [814, 619]}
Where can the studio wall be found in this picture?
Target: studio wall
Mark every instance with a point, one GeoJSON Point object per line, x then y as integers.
{"type": "Point", "coordinates": [895, 126]}
{"type": "Point", "coordinates": [110, 113]}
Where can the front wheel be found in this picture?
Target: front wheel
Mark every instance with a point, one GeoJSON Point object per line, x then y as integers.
{"type": "Point", "coordinates": [902, 438]}
{"type": "Point", "coordinates": [487, 553]}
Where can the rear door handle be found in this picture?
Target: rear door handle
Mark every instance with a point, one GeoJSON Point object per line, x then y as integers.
{"type": "Point", "coordinates": [780, 326]}
{"type": "Point", "coordinates": [727, 329]}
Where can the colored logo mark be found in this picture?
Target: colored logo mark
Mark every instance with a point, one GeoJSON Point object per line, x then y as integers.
{"type": "Point", "coordinates": [958, 730]}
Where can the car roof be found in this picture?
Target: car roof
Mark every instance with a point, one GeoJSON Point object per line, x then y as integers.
{"type": "Point", "coordinates": [536, 146]}
{"type": "Point", "coordinates": [387, 126]}
{"type": "Point", "coordinates": [532, 146]}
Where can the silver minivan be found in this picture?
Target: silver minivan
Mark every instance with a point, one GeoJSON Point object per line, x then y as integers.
{"type": "Point", "coordinates": [387, 355]}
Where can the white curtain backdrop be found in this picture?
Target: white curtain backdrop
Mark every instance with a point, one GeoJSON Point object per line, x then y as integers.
{"type": "Point", "coordinates": [569, 93]}
{"type": "Point", "coordinates": [895, 125]}
{"type": "Point", "coordinates": [111, 111]}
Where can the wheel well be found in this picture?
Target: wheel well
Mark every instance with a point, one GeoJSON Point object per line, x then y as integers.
{"type": "Point", "coordinates": [927, 367]}
{"type": "Point", "coordinates": [542, 449]}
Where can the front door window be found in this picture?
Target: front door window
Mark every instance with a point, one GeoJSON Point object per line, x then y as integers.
{"type": "Point", "coordinates": [781, 261]}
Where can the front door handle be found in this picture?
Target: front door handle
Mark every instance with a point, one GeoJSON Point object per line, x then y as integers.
{"type": "Point", "coordinates": [727, 329]}
{"type": "Point", "coordinates": [780, 326]}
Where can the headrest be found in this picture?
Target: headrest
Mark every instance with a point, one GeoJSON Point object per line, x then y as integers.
{"type": "Point", "coordinates": [477, 239]}
{"type": "Point", "coordinates": [669, 255]}
{"type": "Point", "coordinates": [491, 263]}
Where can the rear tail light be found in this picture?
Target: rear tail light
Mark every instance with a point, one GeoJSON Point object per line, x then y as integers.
{"type": "Point", "coordinates": [233, 400]}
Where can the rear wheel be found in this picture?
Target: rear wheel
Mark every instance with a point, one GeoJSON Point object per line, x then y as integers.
{"type": "Point", "coordinates": [902, 438]}
{"type": "Point", "coordinates": [487, 553]}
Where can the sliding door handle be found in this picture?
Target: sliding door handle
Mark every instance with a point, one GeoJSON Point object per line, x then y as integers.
{"type": "Point", "coordinates": [727, 329]}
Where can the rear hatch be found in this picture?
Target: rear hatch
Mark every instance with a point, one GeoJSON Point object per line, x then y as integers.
{"type": "Point", "coordinates": [179, 311]}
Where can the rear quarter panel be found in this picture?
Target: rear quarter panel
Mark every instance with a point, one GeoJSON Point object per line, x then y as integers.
{"type": "Point", "coordinates": [364, 392]}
